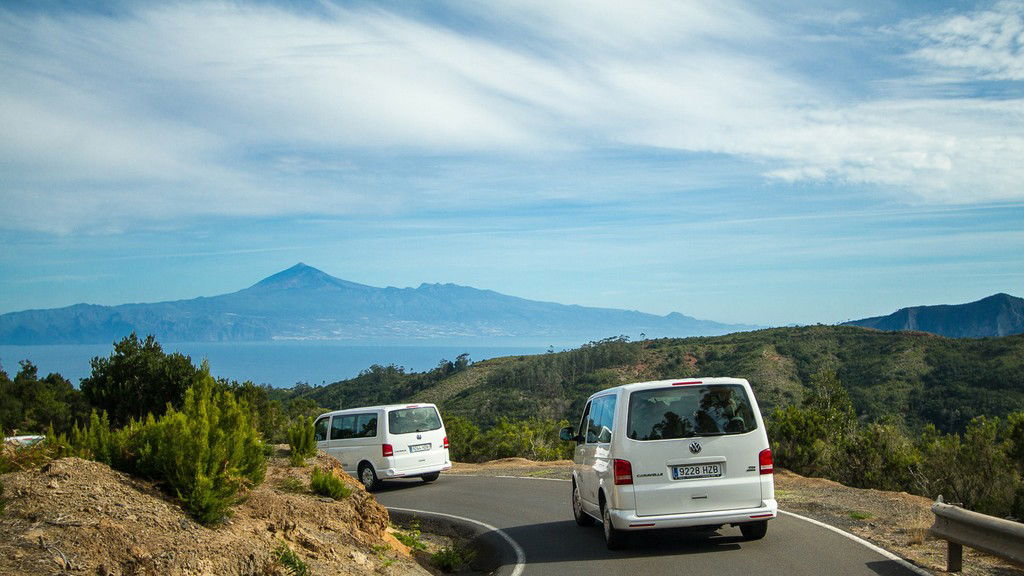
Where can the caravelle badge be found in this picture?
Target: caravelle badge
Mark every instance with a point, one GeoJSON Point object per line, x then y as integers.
{"type": "Point", "coordinates": [695, 448]}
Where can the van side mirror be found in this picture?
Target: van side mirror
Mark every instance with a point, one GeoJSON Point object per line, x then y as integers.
{"type": "Point", "coordinates": [569, 435]}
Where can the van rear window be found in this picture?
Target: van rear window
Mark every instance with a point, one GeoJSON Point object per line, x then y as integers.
{"type": "Point", "coordinates": [687, 411]}
{"type": "Point", "coordinates": [407, 420]}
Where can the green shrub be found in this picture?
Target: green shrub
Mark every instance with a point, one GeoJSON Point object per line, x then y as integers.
{"type": "Point", "coordinates": [452, 558]}
{"type": "Point", "coordinates": [798, 440]}
{"type": "Point", "coordinates": [293, 565]}
{"type": "Point", "coordinates": [292, 485]}
{"type": "Point", "coordinates": [208, 453]}
{"type": "Point", "coordinates": [301, 440]}
{"type": "Point", "coordinates": [411, 536]}
{"type": "Point", "coordinates": [325, 483]}
{"type": "Point", "coordinates": [974, 470]}
{"type": "Point", "coordinates": [877, 456]}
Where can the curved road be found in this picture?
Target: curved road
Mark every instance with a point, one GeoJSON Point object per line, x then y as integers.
{"type": "Point", "coordinates": [536, 514]}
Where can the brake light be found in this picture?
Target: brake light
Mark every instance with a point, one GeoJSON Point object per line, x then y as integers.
{"type": "Point", "coordinates": [687, 383]}
{"type": "Point", "coordinates": [387, 450]}
{"type": "Point", "coordinates": [764, 458]}
{"type": "Point", "coordinates": [445, 442]}
{"type": "Point", "coordinates": [623, 472]}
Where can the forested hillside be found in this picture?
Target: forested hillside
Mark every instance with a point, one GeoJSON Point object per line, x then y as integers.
{"type": "Point", "coordinates": [919, 378]}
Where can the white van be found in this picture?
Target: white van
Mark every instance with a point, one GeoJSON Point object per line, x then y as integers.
{"type": "Point", "coordinates": [381, 442]}
{"type": "Point", "coordinates": [673, 454]}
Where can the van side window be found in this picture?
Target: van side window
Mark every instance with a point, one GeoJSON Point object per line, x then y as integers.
{"type": "Point", "coordinates": [366, 426]}
{"type": "Point", "coordinates": [320, 430]}
{"type": "Point", "coordinates": [343, 427]}
{"type": "Point", "coordinates": [600, 422]}
{"type": "Point", "coordinates": [581, 430]}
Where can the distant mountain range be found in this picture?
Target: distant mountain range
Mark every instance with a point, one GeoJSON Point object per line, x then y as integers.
{"type": "Point", "coordinates": [303, 303]}
{"type": "Point", "coordinates": [997, 315]}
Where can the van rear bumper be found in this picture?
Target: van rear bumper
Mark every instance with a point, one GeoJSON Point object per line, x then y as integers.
{"type": "Point", "coordinates": [628, 519]}
{"type": "Point", "coordinates": [408, 472]}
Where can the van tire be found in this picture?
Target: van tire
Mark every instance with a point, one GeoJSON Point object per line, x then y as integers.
{"type": "Point", "coordinates": [431, 477]}
{"type": "Point", "coordinates": [368, 477]}
{"type": "Point", "coordinates": [754, 530]}
{"type": "Point", "coordinates": [614, 539]}
{"type": "Point", "coordinates": [582, 518]}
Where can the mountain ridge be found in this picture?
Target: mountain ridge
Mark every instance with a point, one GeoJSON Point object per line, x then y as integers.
{"type": "Point", "coordinates": [993, 316]}
{"type": "Point", "coordinates": [305, 303]}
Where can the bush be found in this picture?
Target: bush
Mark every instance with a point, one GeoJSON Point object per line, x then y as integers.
{"type": "Point", "coordinates": [877, 456]}
{"type": "Point", "coordinates": [798, 440]}
{"type": "Point", "coordinates": [535, 439]}
{"type": "Point", "coordinates": [452, 558]}
{"type": "Point", "coordinates": [209, 453]}
{"type": "Point", "coordinates": [975, 470]}
{"type": "Point", "coordinates": [411, 536]}
{"type": "Point", "coordinates": [138, 378]}
{"type": "Point", "coordinates": [325, 483]}
{"type": "Point", "coordinates": [301, 440]}
{"type": "Point", "coordinates": [293, 565]}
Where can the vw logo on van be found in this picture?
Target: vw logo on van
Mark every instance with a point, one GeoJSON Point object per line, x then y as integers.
{"type": "Point", "coordinates": [695, 448]}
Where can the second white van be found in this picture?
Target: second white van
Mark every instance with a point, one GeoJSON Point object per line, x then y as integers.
{"type": "Point", "coordinates": [672, 454]}
{"type": "Point", "coordinates": [381, 442]}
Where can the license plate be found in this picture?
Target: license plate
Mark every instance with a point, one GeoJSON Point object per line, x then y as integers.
{"type": "Point", "coordinates": [419, 447]}
{"type": "Point", "coordinates": [697, 471]}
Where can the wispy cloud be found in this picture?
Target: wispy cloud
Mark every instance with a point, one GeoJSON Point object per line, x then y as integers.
{"type": "Point", "coordinates": [208, 108]}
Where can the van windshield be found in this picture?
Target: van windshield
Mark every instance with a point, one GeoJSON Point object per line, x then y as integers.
{"type": "Point", "coordinates": [687, 411]}
{"type": "Point", "coordinates": [407, 420]}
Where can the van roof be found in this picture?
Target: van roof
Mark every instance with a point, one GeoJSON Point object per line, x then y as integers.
{"type": "Point", "coordinates": [384, 407]}
{"type": "Point", "coordinates": [673, 382]}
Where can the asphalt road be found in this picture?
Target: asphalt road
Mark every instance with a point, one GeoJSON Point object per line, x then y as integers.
{"type": "Point", "coordinates": [536, 514]}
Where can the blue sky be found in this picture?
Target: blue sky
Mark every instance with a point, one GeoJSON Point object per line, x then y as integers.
{"type": "Point", "coordinates": [753, 162]}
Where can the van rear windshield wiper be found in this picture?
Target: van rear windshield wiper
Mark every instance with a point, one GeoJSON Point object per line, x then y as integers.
{"type": "Point", "coordinates": [710, 433]}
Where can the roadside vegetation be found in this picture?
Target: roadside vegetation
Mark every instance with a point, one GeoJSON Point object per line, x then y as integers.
{"type": "Point", "coordinates": [894, 411]}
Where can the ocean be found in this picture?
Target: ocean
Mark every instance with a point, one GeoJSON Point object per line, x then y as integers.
{"type": "Point", "coordinates": [280, 364]}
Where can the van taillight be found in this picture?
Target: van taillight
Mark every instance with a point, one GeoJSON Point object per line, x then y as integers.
{"type": "Point", "coordinates": [623, 472]}
{"type": "Point", "coordinates": [765, 459]}
{"type": "Point", "coordinates": [445, 442]}
{"type": "Point", "coordinates": [387, 450]}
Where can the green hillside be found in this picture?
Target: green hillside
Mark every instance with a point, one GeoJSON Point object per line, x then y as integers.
{"type": "Point", "coordinates": [917, 377]}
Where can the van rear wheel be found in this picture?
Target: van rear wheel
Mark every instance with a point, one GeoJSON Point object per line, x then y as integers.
{"type": "Point", "coordinates": [368, 476]}
{"type": "Point", "coordinates": [754, 530]}
{"type": "Point", "coordinates": [613, 538]}
{"type": "Point", "coordinates": [431, 477]}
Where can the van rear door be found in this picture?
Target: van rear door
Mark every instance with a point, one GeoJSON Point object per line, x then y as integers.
{"type": "Point", "coordinates": [694, 448]}
{"type": "Point", "coordinates": [417, 437]}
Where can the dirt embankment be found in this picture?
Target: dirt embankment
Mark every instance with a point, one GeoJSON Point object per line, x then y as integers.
{"type": "Point", "coordinates": [79, 517]}
{"type": "Point", "coordinates": [895, 521]}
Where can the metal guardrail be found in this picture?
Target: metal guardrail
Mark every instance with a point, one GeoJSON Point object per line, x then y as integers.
{"type": "Point", "coordinates": [960, 527]}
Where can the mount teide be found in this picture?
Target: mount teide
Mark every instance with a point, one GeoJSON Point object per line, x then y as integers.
{"type": "Point", "coordinates": [303, 303]}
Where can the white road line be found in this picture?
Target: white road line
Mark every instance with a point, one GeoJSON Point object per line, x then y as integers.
{"type": "Point", "coordinates": [520, 553]}
{"type": "Point", "coordinates": [915, 569]}
{"type": "Point", "coordinates": [885, 553]}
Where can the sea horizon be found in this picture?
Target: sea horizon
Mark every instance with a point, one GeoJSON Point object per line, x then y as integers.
{"type": "Point", "coordinates": [281, 364]}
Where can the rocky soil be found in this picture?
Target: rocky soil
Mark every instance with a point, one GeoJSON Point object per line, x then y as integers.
{"type": "Point", "coordinates": [79, 517]}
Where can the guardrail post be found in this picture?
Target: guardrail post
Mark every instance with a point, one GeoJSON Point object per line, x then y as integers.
{"type": "Point", "coordinates": [954, 557]}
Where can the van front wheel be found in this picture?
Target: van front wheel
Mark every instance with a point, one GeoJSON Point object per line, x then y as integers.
{"type": "Point", "coordinates": [431, 477]}
{"type": "Point", "coordinates": [368, 476]}
{"type": "Point", "coordinates": [582, 518]}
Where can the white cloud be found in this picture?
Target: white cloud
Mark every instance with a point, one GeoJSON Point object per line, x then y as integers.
{"type": "Point", "coordinates": [986, 44]}
{"type": "Point", "coordinates": [159, 115]}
